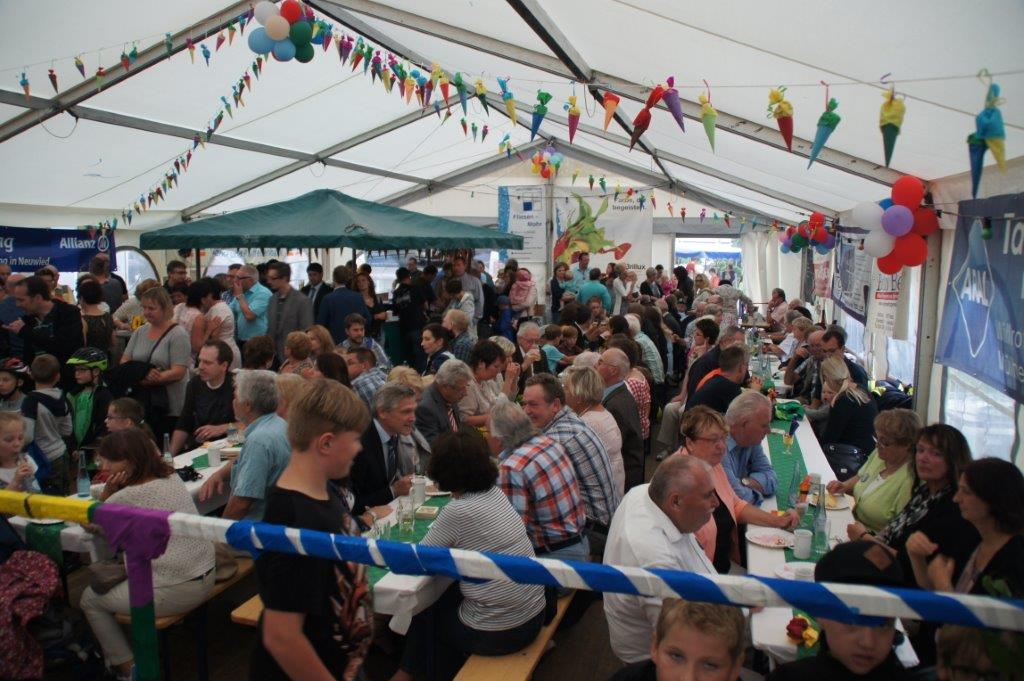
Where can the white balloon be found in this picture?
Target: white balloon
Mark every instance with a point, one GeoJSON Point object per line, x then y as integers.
{"type": "Point", "coordinates": [263, 11]}
{"type": "Point", "coordinates": [867, 215]}
{"type": "Point", "coordinates": [278, 27]}
{"type": "Point", "coordinates": [878, 243]}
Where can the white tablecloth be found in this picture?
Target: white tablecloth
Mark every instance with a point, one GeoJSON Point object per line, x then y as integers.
{"type": "Point", "coordinates": [768, 627]}
{"type": "Point", "coordinates": [76, 539]}
{"type": "Point", "coordinates": [403, 596]}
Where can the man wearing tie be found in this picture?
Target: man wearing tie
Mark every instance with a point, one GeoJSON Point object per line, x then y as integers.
{"type": "Point", "coordinates": [392, 449]}
{"type": "Point", "coordinates": [317, 288]}
{"type": "Point", "coordinates": [438, 408]}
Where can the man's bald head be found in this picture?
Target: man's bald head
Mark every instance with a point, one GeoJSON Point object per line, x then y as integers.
{"type": "Point", "coordinates": [613, 366]}
{"type": "Point", "coordinates": [815, 342]}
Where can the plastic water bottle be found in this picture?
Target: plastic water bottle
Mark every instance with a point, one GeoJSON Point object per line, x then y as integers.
{"type": "Point", "coordinates": [820, 541]}
{"type": "Point", "coordinates": [168, 457]}
{"type": "Point", "coordinates": [232, 434]}
{"type": "Point", "coordinates": [84, 485]}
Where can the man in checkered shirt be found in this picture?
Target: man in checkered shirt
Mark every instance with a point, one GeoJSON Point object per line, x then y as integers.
{"type": "Point", "coordinates": [366, 377]}
{"type": "Point", "coordinates": [537, 475]}
{"type": "Point", "coordinates": [544, 404]}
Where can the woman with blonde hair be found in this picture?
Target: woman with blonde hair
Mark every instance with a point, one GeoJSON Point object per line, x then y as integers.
{"type": "Point", "coordinates": [701, 289]}
{"type": "Point", "coordinates": [289, 386]}
{"type": "Point", "coordinates": [851, 418]}
{"type": "Point", "coordinates": [623, 288]}
{"type": "Point", "coordinates": [584, 390]}
{"type": "Point", "coordinates": [297, 350]}
{"type": "Point", "coordinates": [320, 340]}
{"type": "Point", "coordinates": [411, 378]}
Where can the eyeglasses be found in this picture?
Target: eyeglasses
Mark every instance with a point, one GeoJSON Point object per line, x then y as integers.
{"type": "Point", "coordinates": [721, 439]}
{"type": "Point", "coordinates": [112, 417]}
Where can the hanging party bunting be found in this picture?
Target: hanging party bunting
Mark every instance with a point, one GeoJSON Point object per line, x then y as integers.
{"type": "Point", "coordinates": [573, 112]}
{"type": "Point", "coordinates": [671, 98]}
{"type": "Point", "coordinates": [781, 110]}
{"type": "Point", "coordinates": [508, 98]}
{"type": "Point", "coordinates": [890, 121]}
{"type": "Point", "coordinates": [708, 115]}
{"type": "Point", "coordinates": [611, 102]}
{"type": "Point", "coordinates": [540, 110]}
{"type": "Point", "coordinates": [827, 123]}
{"type": "Point", "coordinates": [989, 124]}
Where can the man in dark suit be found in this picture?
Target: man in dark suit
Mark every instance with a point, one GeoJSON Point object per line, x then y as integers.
{"type": "Point", "coordinates": [317, 288]}
{"type": "Point", "coordinates": [340, 303]}
{"type": "Point", "coordinates": [438, 412]}
{"type": "Point", "coordinates": [721, 386]}
{"type": "Point", "coordinates": [613, 367]}
{"type": "Point", "coordinates": [528, 354]}
{"type": "Point", "coordinates": [392, 450]}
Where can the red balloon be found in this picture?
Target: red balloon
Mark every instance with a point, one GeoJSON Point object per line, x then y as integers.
{"type": "Point", "coordinates": [817, 220]}
{"type": "Point", "coordinates": [804, 229]}
{"type": "Point", "coordinates": [926, 221]}
{"type": "Point", "coordinates": [545, 171]}
{"type": "Point", "coordinates": [908, 191]}
{"type": "Point", "coordinates": [890, 264]}
{"type": "Point", "coordinates": [820, 235]}
{"type": "Point", "coordinates": [911, 249]}
{"type": "Point", "coordinates": [291, 10]}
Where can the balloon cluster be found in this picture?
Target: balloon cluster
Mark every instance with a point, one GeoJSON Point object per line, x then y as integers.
{"type": "Point", "coordinates": [547, 162]}
{"type": "Point", "coordinates": [808, 234]}
{"type": "Point", "coordinates": [897, 227]}
{"type": "Point", "coordinates": [287, 33]}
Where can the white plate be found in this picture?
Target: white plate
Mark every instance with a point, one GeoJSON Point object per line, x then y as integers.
{"type": "Point", "coordinates": [771, 538]}
{"type": "Point", "coordinates": [833, 502]}
{"type": "Point", "coordinates": [45, 521]}
{"type": "Point", "coordinates": [789, 571]}
{"type": "Point", "coordinates": [435, 492]}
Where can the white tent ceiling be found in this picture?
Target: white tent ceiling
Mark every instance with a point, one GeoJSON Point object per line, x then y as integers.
{"type": "Point", "coordinates": [377, 147]}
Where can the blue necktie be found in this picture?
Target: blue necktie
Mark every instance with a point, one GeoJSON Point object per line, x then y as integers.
{"type": "Point", "coordinates": [392, 460]}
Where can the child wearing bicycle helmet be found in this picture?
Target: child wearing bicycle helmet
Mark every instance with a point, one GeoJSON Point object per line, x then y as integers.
{"type": "Point", "coordinates": [14, 383]}
{"type": "Point", "coordinates": [90, 397]}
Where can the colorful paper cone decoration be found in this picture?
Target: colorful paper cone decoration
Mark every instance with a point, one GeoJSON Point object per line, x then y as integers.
{"type": "Point", "coordinates": [990, 128]}
{"type": "Point", "coordinates": [668, 207]}
{"type": "Point", "coordinates": [483, 132]}
{"type": "Point", "coordinates": [80, 65]}
{"type": "Point", "coordinates": [575, 174]}
{"type": "Point", "coordinates": [671, 99]}
{"type": "Point", "coordinates": [604, 186]}
{"type": "Point", "coordinates": [481, 94]}
{"type": "Point", "coordinates": [574, 116]}
{"type": "Point", "coordinates": [23, 82]}
{"type": "Point", "coordinates": [53, 80]}
{"type": "Point", "coordinates": [640, 125]}
{"type": "Point", "coordinates": [231, 33]}
{"type": "Point", "coordinates": [465, 127]}
{"type": "Point", "coordinates": [540, 110]}
{"type": "Point", "coordinates": [460, 87]}
{"type": "Point", "coordinates": [508, 98]}
{"type": "Point", "coordinates": [976, 149]}
{"type": "Point", "coordinates": [168, 45]}
{"type": "Point", "coordinates": [376, 65]}
{"type": "Point", "coordinates": [654, 201]}
{"type": "Point", "coordinates": [445, 86]}
{"type": "Point", "coordinates": [191, 49]}
{"type": "Point", "coordinates": [125, 64]}
{"type": "Point", "coordinates": [367, 54]}
{"type": "Point", "coordinates": [590, 181]}
{"type": "Point", "coordinates": [220, 41]}
{"type": "Point", "coordinates": [611, 102]}
{"type": "Point", "coordinates": [827, 123]}
{"type": "Point", "coordinates": [890, 120]}
{"type": "Point", "coordinates": [358, 55]}
{"type": "Point", "coordinates": [781, 110]}
{"type": "Point", "coordinates": [206, 53]}
{"type": "Point", "coordinates": [100, 75]}
{"type": "Point", "coordinates": [474, 129]}
{"type": "Point", "coordinates": [133, 54]}
{"type": "Point", "coordinates": [708, 115]}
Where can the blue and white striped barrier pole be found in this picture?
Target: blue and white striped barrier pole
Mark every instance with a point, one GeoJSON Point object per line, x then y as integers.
{"type": "Point", "coordinates": [843, 602]}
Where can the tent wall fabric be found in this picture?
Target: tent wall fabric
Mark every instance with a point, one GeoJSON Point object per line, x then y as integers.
{"type": "Point", "coordinates": [328, 219]}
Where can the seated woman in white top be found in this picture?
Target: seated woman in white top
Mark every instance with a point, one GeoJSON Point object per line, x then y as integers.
{"type": "Point", "coordinates": [490, 618]}
{"type": "Point", "coordinates": [487, 361]}
{"type": "Point", "coordinates": [584, 391]}
{"type": "Point", "coordinates": [182, 577]}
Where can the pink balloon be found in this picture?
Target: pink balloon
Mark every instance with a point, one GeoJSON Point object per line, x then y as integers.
{"type": "Point", "coordinates": [897, 220]}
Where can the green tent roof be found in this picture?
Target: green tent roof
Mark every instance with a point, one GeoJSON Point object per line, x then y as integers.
{"type": "Point", "coordinates": [327, 219]}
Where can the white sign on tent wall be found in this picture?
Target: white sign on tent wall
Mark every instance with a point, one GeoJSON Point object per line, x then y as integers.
{"type": "Point", "coordinates": [822, 266]}
{"type": "Point", "coordinates": [852, 280]}
{"type": "Point", "coordinates": [523, 211]}
{"type": "Point", "coordinates": [884, 303]}
{"type": "Point", "coordinates": [610, 228]}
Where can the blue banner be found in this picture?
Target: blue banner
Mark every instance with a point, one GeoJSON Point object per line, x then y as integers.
{"type": "Point", "coordinates": [26, 249]}
{"type": "Point", "coordinates": [981, 331]}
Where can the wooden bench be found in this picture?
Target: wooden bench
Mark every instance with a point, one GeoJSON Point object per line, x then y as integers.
{"type": "Point", "coordinates": [245, 566]}
{"type": "Point", "coordinates": [248, 613]}
{"type": "Point", "coordinates": [519, 665]}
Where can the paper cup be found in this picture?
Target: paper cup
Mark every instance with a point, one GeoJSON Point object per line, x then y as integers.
{"type": "Point", "coordinates": [419, 490]}
{"type": "Point", "coordinates": [213, 456]}
{"type": "Point", "coordinates": [802, 544]}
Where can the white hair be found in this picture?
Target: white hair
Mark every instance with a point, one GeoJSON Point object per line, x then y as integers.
{"type": "Point", "coordinates": [527, 326]}
{"type": "Point", "coordinates": [588, 358]}
{"type": "Point", "coordinates": [257, 388]}
{"type": "Point", "coordinates": [510, 424]}
{"type": "Point", "coordinates": [745, 405]}
{"type": "Point", "coordinates": [634, 324]}
{"type": "Point", "coordinates": [391, 394]}
{"type": "Point", "coordinates": [453, 372]}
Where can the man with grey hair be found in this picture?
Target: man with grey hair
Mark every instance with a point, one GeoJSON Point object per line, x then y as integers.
{"type": "Point", "coordinates": [651, 357]}
{"type": "Point", "coordinates": [249, 304]}
{"type": "Point", "coordinates": [393, 450]}
{"type": "Point", "coordinates": [654, 528]}
{"type": "Point", "coordinates": [613, 366]}
{"type": "Point", "coordinates": [537, 476]}
{"type": "Point", "coordinates": [651, 287]}
{"type": "Point", "coordinates": [437, 411]}
{"type": "Point", "coordinates": [457, 322]}
{"type": "Point", "coordinates": [750, 473]}
{"type": "Point", "coordinates": [528, 354]}
{"type": "Point", "coordinates": [265, 453]}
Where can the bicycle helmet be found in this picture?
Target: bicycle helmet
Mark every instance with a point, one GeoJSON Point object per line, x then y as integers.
{"type": "Point", "coordinates": [15, 366]}
{"type": "Point", "coordinates": [89, 358]}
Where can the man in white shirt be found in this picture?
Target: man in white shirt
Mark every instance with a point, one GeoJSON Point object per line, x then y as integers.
{"type": "Point", "coordinates": [653, 528]}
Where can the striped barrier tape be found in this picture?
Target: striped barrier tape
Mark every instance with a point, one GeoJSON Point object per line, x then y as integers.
{"type": "Point", "coordinates": [844, 602]}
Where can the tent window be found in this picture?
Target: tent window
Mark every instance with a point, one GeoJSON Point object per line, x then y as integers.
{"type": "Point", "coordinates": [854, 335]}
{"type": "Point", "coordinates": [134, 266]}
{"type": "Point", "coordinates": [982, 413]}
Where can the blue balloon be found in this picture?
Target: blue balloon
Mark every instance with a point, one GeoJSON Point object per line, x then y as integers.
{"type": "Point", "coordinates": [284, 50]}
{"type": "Point", "coordinates": [885, 203]}
{"type": "Point", "coordinates": [260, 42]}
{"type": "Point", "coordinates": [821, 249]}
{"type": "Point", "coordinates": [784, 248]}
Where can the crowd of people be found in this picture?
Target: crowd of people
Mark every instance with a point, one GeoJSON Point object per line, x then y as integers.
{"type": "Point", "coordinates": [544, 411]}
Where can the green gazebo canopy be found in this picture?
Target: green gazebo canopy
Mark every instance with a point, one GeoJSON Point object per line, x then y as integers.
{"type": "Point", "coordinates": [327, 219]}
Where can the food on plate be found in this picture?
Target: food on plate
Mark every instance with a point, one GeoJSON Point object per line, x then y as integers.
{"type": "Point", "coordinates": [800, 632]}
{"type": "Point", "coordinates": [777, 540]}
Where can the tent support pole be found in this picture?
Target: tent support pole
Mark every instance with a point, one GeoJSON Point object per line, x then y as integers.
{"type": "Point", "coordinates": [927, 325]}
{"type": "Point", "coordinates": [199, 265]}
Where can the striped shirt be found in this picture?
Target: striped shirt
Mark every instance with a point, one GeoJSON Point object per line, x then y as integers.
{"type": "Point", "coordinates": [590, 462]}
{"type": "Point", "coordinates": [486, 521]}
{"type": "Point", "coordinates": [539, 480]}
{"type": "Point", "coordinates": [368, 383]}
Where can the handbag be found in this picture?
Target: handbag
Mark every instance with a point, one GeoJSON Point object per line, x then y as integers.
{"type": "Point", "coordinates": [104, 575]}
{"type": "Point", "coordinates": [128, 377]}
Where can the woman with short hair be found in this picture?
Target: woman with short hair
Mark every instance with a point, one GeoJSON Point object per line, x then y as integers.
{"type": "Point", "coordinates": [883, 485]}
{"type": "Point", "coordinates": [486, 360]}
{"type": "Point", "coordinates": [410, 377]}
{"type": "Point", "coordinates": [297, 350]}
{"type": "Point", "coordinates": [435, 341]}
{"type": "Point", "coordinates": [320, 340]}
{"type": "Point", "coordinates": [584, 391]}
{"type": "Point", "coordinates": [183, 575]}
{"type": "Point", "coordinates": [485, 618]}
{"type": "Point", "coordinates": [166, 346]}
